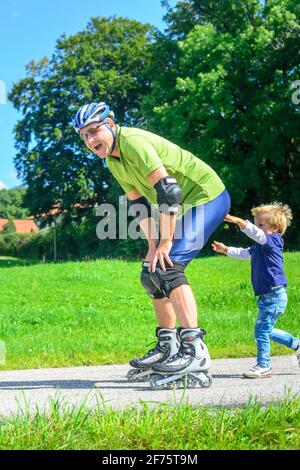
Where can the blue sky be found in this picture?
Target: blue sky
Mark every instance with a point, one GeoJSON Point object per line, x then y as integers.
{"type": "Point", "coordinates": [29, 30]}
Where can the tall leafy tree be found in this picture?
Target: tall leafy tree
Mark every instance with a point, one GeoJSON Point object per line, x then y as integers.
{"type": "Point", "coordinates": [231, 103]}
{"type": "Point", "coordinates": [12, 203]}
{"type": "Point", "coordinates": [105, 62]}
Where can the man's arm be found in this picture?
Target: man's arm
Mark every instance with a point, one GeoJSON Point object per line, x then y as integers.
{"type": "Point", "coordinates": [167, 221]}
{"type": "Point", "coordinates": [147, 224]}
{"type": "Point", "coordinates": [169, 200]}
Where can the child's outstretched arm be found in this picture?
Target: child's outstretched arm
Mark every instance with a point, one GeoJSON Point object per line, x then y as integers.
{"type": "Point", "coordinates": [220, 247]}
{"type": "Point", "coordinates": [248, 229]}
{"type": "Point", "coordinates": [236, 220]}
{"type": "Point", "coordinates": [239, 253]}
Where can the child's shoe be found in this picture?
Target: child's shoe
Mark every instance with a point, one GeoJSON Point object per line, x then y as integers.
{"type": "Point", "coordinates": [258, 372]}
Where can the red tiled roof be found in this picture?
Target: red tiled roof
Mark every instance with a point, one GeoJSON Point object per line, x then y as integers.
{"type": "Point", "coordinates": [3, 222]}
{"type": "Point", "coordinates": [22, 226]}
{"type": "Point", "coordinates": [57, 210]}
{"type": "Point", "coordinates": [26, 226]}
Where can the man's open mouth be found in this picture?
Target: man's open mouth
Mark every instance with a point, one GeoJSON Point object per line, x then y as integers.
{"type": "Point", "coordinates": [98, 147]}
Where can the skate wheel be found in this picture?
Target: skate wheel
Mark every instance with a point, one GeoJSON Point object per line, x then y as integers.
{"type": "Point", "coordinates": [173, 385]}
{"type": "Point", "coordinates": [187, 381]}
{"type": "Point", "coordinates": [206, 382]}
{"type": "Point", "coordinates": [133, 376]}
{"type": "Point", "coordinates": [191, 382]}
{"type": "Point", "coordinates": [154, 382]}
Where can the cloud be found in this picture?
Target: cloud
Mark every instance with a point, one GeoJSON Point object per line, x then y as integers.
{"type": "Point", "coordinates": [2, 185]}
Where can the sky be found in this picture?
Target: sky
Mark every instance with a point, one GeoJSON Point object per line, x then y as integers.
{"type": "Point", "coordinates": [29, 30]}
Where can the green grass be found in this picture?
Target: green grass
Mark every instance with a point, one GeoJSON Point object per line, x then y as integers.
{"type": "Point", "coordinates": [10, 261]}
{"type": "Point", "coordinates": [96, 312]}
{"type": "Point", "coordinates": [179, 427]}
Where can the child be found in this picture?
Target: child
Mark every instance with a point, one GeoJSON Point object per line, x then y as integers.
{"type": "Point", "coordinates": [268, 278]}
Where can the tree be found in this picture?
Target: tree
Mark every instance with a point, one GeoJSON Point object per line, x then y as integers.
{"type": "Point", "coordinates": [231, 104]}
{"type": "Point", "coordinates": [105, 62]}
{"type": "Point", "coordinates": [12, 203]}
{"type": "Point", "coordinates": [9, 227]}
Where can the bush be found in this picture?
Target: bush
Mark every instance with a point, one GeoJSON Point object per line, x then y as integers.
{"type": "Point", "coordinates": [18, 244]}
{"type": "Point", "coordinates": [9, 227]}
{"type": "Point", "coordinates": [73, 241]}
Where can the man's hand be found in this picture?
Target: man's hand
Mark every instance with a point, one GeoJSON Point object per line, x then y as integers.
{"type": "Point", "coordinates": [151, 253]}
{"type": "Point", "coordinates": [235, 220]}
{"type": "Point", "coordinates": [220, 247]}
{"type": "Point", "coordinates": [161, 254]}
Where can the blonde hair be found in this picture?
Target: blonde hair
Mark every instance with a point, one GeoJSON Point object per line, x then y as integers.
{"type": "Point", "coordinates": [277, 214]}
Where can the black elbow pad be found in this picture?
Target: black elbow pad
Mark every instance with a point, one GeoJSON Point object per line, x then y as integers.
{"type": "Point", "coordinates": [169, 196]}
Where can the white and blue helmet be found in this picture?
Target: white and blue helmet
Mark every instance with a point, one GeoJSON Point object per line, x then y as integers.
{"type": "Point", "coordinates": [93, 112]}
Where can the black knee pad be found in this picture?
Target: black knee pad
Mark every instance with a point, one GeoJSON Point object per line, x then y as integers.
{"type": "Point", "coordinates": [152, 282]}
{"type": "Point", "coordinates": [160, 284]}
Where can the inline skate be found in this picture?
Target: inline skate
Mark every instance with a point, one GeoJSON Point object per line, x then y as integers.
{"type": "Point", "coordinates": [188, 368]}
{"type": "Point", "coordinates": [167, 345]}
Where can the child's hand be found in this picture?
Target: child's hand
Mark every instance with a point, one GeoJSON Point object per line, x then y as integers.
{"type": "Point", "coordinates": [236, 220]}
{"type": "Point", "coordinates": [219, 247]}
{"type": "Point", "coordinates": [231, 218]}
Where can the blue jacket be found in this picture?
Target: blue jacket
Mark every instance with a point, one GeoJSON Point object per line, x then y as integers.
{"type": "Point", "coordinates": [267, 264]}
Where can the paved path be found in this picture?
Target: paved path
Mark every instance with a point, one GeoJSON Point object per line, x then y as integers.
{"type": "Point", "coordinates": [108, 386]}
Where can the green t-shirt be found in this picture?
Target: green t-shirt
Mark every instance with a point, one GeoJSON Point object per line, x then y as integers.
{"type": "Point", "coordinates": [142, 152]}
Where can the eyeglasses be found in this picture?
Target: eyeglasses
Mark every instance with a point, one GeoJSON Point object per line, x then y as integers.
{"type": "Point", "coordinates": [91, 132]}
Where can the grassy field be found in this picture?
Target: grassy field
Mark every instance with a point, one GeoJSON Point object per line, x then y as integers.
{"type": "Point", "coordinates": [179, 427]}
{"type": "Point", "coordinates": [95, 312]}
{"type": "Point", "coordinates": [87, 313]}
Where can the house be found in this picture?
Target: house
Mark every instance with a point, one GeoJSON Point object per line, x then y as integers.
{"type": "Point", "coordinates": [22, 226]}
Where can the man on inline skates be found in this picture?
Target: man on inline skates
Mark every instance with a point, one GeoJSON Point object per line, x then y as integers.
{"type": "Point", "coordinates": [192, 202]}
